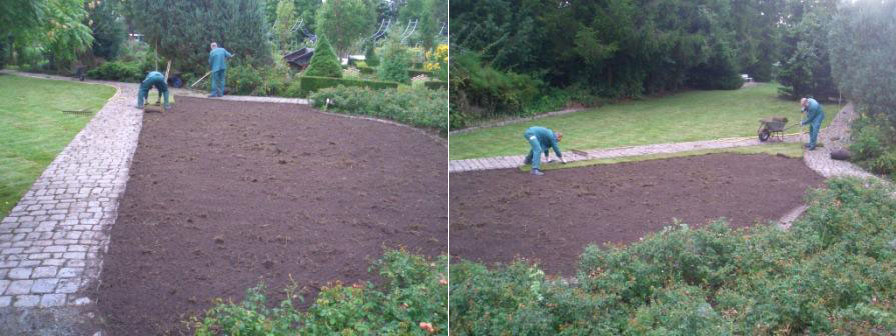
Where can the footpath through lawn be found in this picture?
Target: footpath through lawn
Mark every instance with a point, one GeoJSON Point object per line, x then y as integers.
{"type": "Point", "coordinates": [688, 116]}
{"type": "Point", "coordinates": [33, 128]}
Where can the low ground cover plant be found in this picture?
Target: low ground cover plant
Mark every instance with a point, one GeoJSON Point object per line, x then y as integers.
{"type": "Point", "coordinates": [420, 107]}
{"type": "Point", "coordinates": [412, 300]}
{"type": "Point", "coordinates": [830, 273]}
{"type": "Point", "coordinates": [873, 144]}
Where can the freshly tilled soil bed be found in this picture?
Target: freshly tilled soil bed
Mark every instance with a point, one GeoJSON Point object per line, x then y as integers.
{"type": "Point", "coordinates": [500, 215]}
{"type": "Point", "coordinates": [225, 194]}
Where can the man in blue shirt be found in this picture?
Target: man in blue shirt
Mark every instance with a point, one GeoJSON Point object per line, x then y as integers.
{"type": "Point", "coordinates": [217, 59]}
{"type": "Point", "coordinates": [541, 140]}
{"type": "Point", "coordinates": [814, 117]}
{"type": "Point", "coordinates": [153, 79]}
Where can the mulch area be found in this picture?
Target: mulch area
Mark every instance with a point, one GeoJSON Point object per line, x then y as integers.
{"type": "Point", "coordinates": [500, 215]}
{"type": "Point", "coordinates": [225, 194]}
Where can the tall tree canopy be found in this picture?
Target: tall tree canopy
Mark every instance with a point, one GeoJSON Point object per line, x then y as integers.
{"type": "Point", "coordinates": [345, 22]}
{"type": "Point", "coordinates": [182, 30]}
{"type": "Point", "coordinates": [56, 27]}
{"type": "Point", "coordinates": [863, 54]}
{"type": "Point", "coordinates": [107, 26]}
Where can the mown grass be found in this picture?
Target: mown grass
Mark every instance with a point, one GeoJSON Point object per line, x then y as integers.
{"type": "Point", "coordinates": [792, 150]}
{"type": "Point", "coordinates": [33, 128]}
{"type": "Point", "coordinates": [687, 116]}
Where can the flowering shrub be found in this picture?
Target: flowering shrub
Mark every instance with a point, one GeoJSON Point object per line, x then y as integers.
{"type": "Point", "coordinates": [830, 273]}
{"type": "Point", "coordinates": [413, 300]}
{"type": "Point", "coordinates": [437, 60]}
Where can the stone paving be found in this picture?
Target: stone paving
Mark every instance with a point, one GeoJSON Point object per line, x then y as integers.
{"type": "Point", "coordinates": [52, 241]}
{"type": "Point", "coordinates": [502, 162]}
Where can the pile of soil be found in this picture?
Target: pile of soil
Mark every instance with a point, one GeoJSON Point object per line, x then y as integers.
{"type": "Point", "coordinates": [499, 215]}
{"type": "Point", "coordinates": [225, 194]}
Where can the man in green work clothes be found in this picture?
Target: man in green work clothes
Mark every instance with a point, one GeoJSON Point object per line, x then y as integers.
{"type": "Point", "coordinates": [814, 117]}
{"type": "Point", "coordinates": [217, 59]}
{"type": "Point", "coordinates": [541, 140]}
{"type": "Point", "coordinates": [153, 79]}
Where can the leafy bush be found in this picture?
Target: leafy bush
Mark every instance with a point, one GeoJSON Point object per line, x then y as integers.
{"type": "Point", "coordinates": [366, 70]}
{"type": "Point", "coordinates": [482, 92]}
{"type": "Point", "coordinates": [324, 62]}
{"type": "Point", "coordinates": [395, 62]}
{"type": "Point", "coordinates": [414, 291]}
{"type": "Point", "coordinates": [418, 107]}
{"type": "Point", "coordinates": [243, 79]}
{"type": "Point", "coordinates": [308, 84]}
{"type": "Point", "coordinates": [873, 145]}
{"type": "Point", "coordinates": [117, 71]}
{"type": "Point", "coordinates": [436, 84]}
{"type": "Point", "coordinates": [830, 273]}
{"type": "Point", "coordinates": [370, 57]}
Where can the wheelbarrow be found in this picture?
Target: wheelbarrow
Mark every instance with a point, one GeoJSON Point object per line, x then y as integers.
{"type": "Point", "coordinates": [770, 127]}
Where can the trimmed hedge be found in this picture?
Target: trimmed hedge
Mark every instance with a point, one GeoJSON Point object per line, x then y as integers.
{"type": "Point", "coordinates": [309, 84]}
{"type": "Point", "coordinates": [367, 70]}
{"type": "Point", "coordinates": [436, 84]}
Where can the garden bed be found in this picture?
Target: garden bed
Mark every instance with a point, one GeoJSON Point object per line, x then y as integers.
{"type": "Point", "coordinates": [498, 215]}
{"type": "Point", "coordinates": [225, 194]}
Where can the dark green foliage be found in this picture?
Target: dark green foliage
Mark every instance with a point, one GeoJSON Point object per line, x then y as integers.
{"type": "Point", "coordinates": [183, 30]}
{"type": "Point", "coordinates": [3, 53]}
{"type": "Point", "coordinates": [419, 107]}
{"type": "Point", "coordinates": [436, 85]}
{"type": "Point", "coordinates": [805, 67]}
{"type": "Point", "coordinates": [412, 291]}
{"type": "Point", "coordinates": [494, 92]}
{"type": "Point", "coordinates": [371, 58]}
{"type": "Point", "coordinates": [307, 84]}
{"type": "Point", "coordinates": [830, 273]}
{"type": "Point", "coordinates": [395, 62]}
{"type": "Point", "coordinates": [324, 62]}
{"type": "Point", "coordinates": [118, 71]}
{"type": "Point", "coordinates": [618, 48]}
{"type": "Point", "coordinates": [863, 52]}
{"type": "Point", "coordinates": [366, 70]}
{"type": "Point", "coordinates": [243, 79]}
{"type": "Point", "coordinates": [108, 29]}
{"type": "Point", "coordinates": [873, 144]}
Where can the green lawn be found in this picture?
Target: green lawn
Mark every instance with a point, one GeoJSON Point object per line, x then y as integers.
{"type": "Point", "coordinates": [788, 149]}
{"type": "Point", "coordinates": [33, 129]}
{"type": "Point", "coordinates": [688, 116]}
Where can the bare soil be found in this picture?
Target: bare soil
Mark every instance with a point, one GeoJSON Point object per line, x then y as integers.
{"type": "Point", "coordinates": [500, 215]}
{"type": "Point", "coordinates": [225, 194]}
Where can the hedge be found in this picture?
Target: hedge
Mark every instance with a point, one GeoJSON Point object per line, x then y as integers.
{"type": "Point", "coordinates": [366, 70]}
{"type": "Point", "coordinates": [309, 84]}
{"type": "Point", "coordinates": [436, 84]}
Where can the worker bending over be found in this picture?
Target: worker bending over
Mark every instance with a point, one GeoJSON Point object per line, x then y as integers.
{"type": "Point", "coordinates": [814, 117]}
{"type": "Point", "coordinates": [541, 140]}
{"type": "Point", "coordinates": [153, 79]}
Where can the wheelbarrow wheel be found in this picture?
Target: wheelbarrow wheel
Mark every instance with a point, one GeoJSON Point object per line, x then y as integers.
{"type": "Point", "coordinates": [764, 134]}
